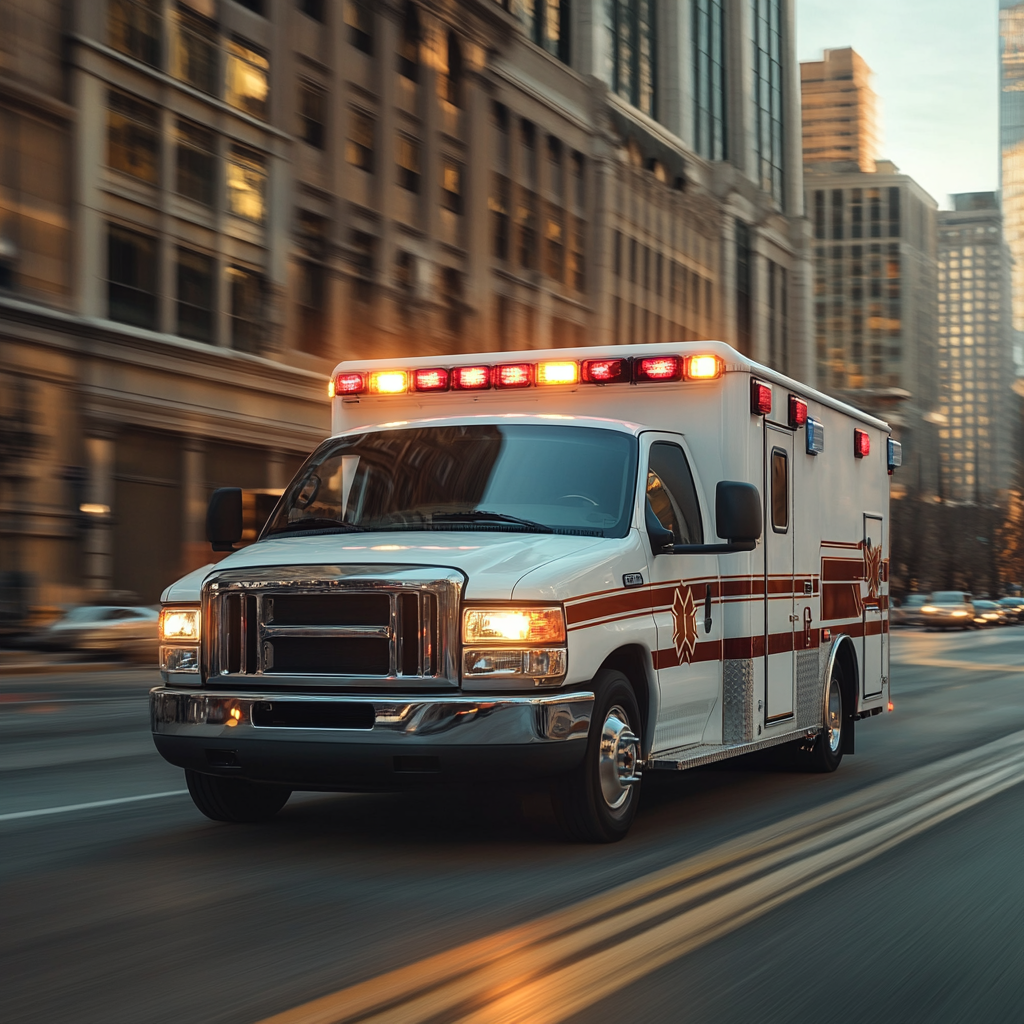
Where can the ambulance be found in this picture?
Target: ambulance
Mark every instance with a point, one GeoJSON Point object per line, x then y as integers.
{"type": "Point", "coordinates": [575, 565]}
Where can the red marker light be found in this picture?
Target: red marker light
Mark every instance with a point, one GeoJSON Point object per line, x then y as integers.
{"type": "Point", "coordinates": [797, 412]}
{"type": "Point", "coordinates": [606, 371]}
{"type": "Point", "coordinates": [861, 443]}
{"type": "Point", "coordinates": [890, 705]}
{"type": "Point", "coordinates": [760, 397]}
{"type": "Point", "coordinates": [513, 375]}
{"type": "Point", "coordinates": [430, 380]}
{"type": "Point", "coordinates": [349, 384]}
{"type": "Point", "coordinates": [471, 378]}
{"type": "Point", "coordinates": [661, 368]}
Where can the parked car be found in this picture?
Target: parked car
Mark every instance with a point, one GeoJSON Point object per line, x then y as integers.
{"type": "Point", "coordinates": [908, 612]}
{"type": "Point", "coordinates": [949, 609]}
{"type": "Point", "coordinates": [1013, 607]}
{"type": "Point", "coordinates": [115, 630]}
{"type": "Point", "coordinates": [988, 613]}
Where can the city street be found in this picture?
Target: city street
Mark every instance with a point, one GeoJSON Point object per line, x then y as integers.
{"type": "Point", "coordinates": [889, 891]}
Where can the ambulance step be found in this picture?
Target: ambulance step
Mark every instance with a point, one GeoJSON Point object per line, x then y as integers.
{"type": "Point", "coordinates": [701, 754]}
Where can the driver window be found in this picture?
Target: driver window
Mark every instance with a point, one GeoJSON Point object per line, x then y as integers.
{"type": "Point", "coordinates": [672, 495]}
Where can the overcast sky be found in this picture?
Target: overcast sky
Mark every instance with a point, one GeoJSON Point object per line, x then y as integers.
{"type": "Point", "coordinates": [936, 75]}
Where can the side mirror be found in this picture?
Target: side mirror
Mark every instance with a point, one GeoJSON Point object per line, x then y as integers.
{"type": "Point", "coordinates": [661, 539]}
{"type": "Point", "coordinates": [224, 518]}
{"type": "Point", "coordinates": [738, 512]}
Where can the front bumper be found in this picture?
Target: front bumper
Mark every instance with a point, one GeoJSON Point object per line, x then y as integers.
{"type": "Point", "coordinates": [398, 739]}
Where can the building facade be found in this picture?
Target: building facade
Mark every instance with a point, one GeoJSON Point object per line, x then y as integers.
{"type": "Point", "coordinates": [206, 204]}
{"type": "Point", "coordinates": [1011, 144]}
{"type": "Point", "coordinates": [975, 352]}
{"type": "Point", "coordinates": [839, 111]}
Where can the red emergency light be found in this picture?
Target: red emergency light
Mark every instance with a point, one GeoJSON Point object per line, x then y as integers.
{"type": "Point", "coordinates": [606, 371]}
{"type": "Point", "coordinates": [471, 378]}
{"type": "Point", "coordinates": [797, 412]}
{"type": "Point", "coordinates": [659, 369]}
{"type": "Point", "coordinates": [513, 375]}
{"type": "Point", "coordinates": [760, 397]}
{"type": "Point", "coordinates": [430, 379]}
{"type": "Point", "coordinates": [861, 443]}
{"type": "Point", "coordinates": [350, 383]}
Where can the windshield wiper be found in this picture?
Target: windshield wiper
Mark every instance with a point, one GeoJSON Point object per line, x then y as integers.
{"type": "Point", "coordinates": [480, 516]}
{"type": "Point", "coordinates": [317, 523]}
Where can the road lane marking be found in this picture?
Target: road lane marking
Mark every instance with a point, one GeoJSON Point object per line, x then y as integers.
{"type": "Point", "coordinates": [964, 666]}
{"type": "Point", "coordinates": [552, 968]}
{"type": "Point", "coordinates": [68, 808]}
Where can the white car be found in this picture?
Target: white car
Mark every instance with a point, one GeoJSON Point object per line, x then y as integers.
{"type": "Point", "coordinates": [116, 630]}
{"type": "Point", "coordinates": [949, 609]}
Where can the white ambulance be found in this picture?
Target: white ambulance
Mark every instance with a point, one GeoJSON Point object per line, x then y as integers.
{"type": "Point", "coordinates": [580, 565]}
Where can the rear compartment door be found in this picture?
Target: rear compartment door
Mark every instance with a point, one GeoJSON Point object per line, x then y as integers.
{"type": "Point", "coordinates": [780, 599]}
{"type": "Point", "coordinates": [873, 650]}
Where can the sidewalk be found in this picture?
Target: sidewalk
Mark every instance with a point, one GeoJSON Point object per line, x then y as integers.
{"type": "Point", "coordinates": [32, 663]}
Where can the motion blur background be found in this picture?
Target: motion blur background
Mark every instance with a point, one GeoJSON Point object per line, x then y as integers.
{"type": "Point", "coordinates": [205, 204]}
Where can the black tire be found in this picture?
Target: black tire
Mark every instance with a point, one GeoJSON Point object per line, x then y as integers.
{"type": "Point", "coordinates": [583, 810]}
{"type": "Point", "coordinates": [827, 753]}
{"type": "Point", "coordinates": [235, 800]}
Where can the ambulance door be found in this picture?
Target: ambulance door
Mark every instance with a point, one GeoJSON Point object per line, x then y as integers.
{"type": "Point", "coordinates": [780, 598]}
{"type": "Point", "coordinates": [685, 597]}
{"type": "Point", "coordinates": [873, 651]}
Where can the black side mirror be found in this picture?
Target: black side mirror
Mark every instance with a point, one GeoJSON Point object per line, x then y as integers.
{"type": "Point", "coordinates": [661, 539]}
{"type": "Point", "coordinates": [738, 512]}
{"type": "Point", "coordinates": [224, 518]}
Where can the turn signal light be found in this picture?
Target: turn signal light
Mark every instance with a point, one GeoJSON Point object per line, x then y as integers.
{"type": "Point", "coordinates": [760, 397]}
{"type": "Point", "coordinates": [471, 378]}
{"type": "Point", "coordinates": [389, 382]}
{"type": "Point", "coordinates": [430, 380]}
{"type": "Point", "coordinates": [704, 368]}
{"type": "Point", "coordinates": [349, 384]}
{"type": "Point", "coordinates": [558, 373]}
{"type": "Point", "coordinates": [861, 443]}
{"type": "Point", "coordinates": [513, 375]}
{"type": "Point", "coordinates": [661, 368]}
{"type": "Point", "coordinates": [797, 412]}
{"type": "Point", "coordinates": [606, 371]}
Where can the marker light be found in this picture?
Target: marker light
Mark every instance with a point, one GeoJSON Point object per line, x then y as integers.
{"type": "Point", "coordinates": [894, 452]}
{"type": "Point", "coordinates": [430, 380]}
{"type": "Point", "coordinates": [760, 397]}
{"type": "Point", "coordinates": [558, 373]}
{"type": "Point", "coordinates": [704, 368]}
{"type": "Point", "coordinates": [471, 378]}
{"type": "Point", "coordinates": [513, 625]}
{"type": "Point", "coordinates": [513, 375]}
{"type": "Point", "coordinates": [349, 384]}
{"type": "Point", "coordinates": [330, 388]}
{"type": "Point", "coordinates": [606, 371]}
{"type": "Point", "coordinates": [389, 382]}
{"type": "Point", "coordinates": [815, 436]}
{"type": "Point", "coordinates": [797, 412]}
{"type": "Point", "coordinates": [661, 368]}
{"type": "Point", "coordinates": [861, 443]}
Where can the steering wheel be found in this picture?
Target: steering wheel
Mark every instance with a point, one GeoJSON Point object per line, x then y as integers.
{"type": "Point", "coordinates": [578, 497]}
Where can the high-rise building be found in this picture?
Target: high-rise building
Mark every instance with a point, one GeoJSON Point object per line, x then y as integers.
{"type": "Point", "coordinates": [839, 111]}
{"type": "Point", "coordinates": [975, 361]}
{"type": "Point", "coordinates": [1011, 143]}
{"type": "Point", "coordinates": [259, 188]}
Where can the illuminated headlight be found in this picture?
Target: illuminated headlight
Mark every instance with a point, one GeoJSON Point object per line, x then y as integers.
{"type": "Point", "coordinates": [513, 626]}
{"type": "Point", "coordinates": [929, 609]}
{"type": "Point", "coordinates": [959, 614]}
{"type": "Point", "coordinates": [179, 625]}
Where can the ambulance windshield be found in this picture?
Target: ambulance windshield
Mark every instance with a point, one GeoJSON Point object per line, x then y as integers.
{"type": "Point", "coordinates": [536, 478]}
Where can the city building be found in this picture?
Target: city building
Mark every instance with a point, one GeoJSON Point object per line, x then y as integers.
{"type": "Point", "coordinates": [839, 111]}
{"type": "Point", "coordinates": [975, 357]}
{"type": "Point", "coordinates": [205, 204]}
{"type": "Point", "coordinates": [1011, 144]}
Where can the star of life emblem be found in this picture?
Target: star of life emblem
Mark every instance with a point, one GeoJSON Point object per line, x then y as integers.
{"type": "Point", "coordinates": [684, 617]}
{"type": "Point", "coordinates": [873, 568]}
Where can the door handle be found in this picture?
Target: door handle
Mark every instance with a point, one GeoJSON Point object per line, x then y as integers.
{"type": "Point", "coordinates": [707, 609]}
{"type": "Point", "coordinates": [807, 626]}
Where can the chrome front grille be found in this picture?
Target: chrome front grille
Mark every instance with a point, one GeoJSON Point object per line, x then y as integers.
{"type": "Point", "coordinates": [332, 625]}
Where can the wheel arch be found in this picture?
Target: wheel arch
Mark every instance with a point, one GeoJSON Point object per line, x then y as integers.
{"type": "Point", "coordinates": [636, 664]}
{"type": "Point", "coordinates": [844, 654]}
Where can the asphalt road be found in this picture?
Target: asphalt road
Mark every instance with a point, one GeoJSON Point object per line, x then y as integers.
{"type": "Point", "coordinates": [890, 891]}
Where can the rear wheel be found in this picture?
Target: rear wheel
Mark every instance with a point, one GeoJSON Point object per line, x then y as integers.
{"type": "Point", "coordinates": [235, 799]}
{"type": "Point", "coordinates": [598, 800]}
{"type": "Point", "coordinates": [827, 752]}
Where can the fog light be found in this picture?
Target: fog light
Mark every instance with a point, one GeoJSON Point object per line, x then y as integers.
{"type": "Point", "coordinates": [179, 659]}
{"type": "Point", "coordinates": [535, 663]}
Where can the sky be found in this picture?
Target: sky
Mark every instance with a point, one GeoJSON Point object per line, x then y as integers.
{"type": "Point", "coordinates": [936, 65]}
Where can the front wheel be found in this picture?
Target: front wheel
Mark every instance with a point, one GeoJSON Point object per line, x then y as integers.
{"type": "Point", "coordinates": [235, 800]}
{"type": "Point", "coordinates": [598, 800]}
{"type": "Point", "coordinates": [827, 752]}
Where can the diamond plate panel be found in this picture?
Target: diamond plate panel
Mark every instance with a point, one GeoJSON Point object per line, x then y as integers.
{"type": "Point", "coordinates": [738, 701]}
{"type": "Point", "coordinates": [808, 690]}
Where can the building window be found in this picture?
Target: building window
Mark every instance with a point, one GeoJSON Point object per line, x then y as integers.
{"type": "Point", "coordinates": [556, 174]}
{"type": "Point", "coordinates": [554, 248]}
{"type": "Point", "coordinates": [526, 225]}
{"type": "Point", "coordinates": [311, 114]}
{"type": "Point", "coordinates": [196, 162]}
{"type": "Point", "coordinates": [131, 277]}
{"type": "Point", "coordinates": [359, 20]}
{"type": "Point", "coordinates": [528, 153]}
{"type": "Point", "coordinates": [743, 288]}
{"type": "Point", "coordinates": [768, 140]}
{"type": "Point", "coordinates": [894, 212]}
{"type": "Point", "coordinates": [449, 80]}
{"type": "Point", "coordinates": [312, 308]}
{"type": "Point", "coordinates": [498, 204]}
{"type": "Point", "coordinates": [577, 261]}
{"type": "Point", "coordinates": [256, 6]}
{"type": "Point", "coordinates": [247, 184]}
{"type": "Point", "coordinates": [409, 46]}
{"type": "Point", "coordinates": [407, 156]}
{"type": "Point", "coordinates": [451, 185]}
{"type": "Point", "coordinates": [631, 33]}
{"type": "Point", "coordinates": [133, 140]}
{"type": "Point", "coordinates": [359, 145]}
{"type": "Point", "coordinates": [312, 9]}
{"type": "Point", "coordinates": [500, 117]}
{"type": "Point", "coordinates": [578, 184]}
{"type": "Point", "coordinates": [709, 78]}
{"type": "Point", "coordinates": [363, 248]}
{"type": "Point", "coordinates": [247, 314]}
{"type": "Point", "coordinates": [405, 271]}
{"type": "Point", "coordinates": [194, 59]}
{"type": "Point", "coordinates": [133, 27]}
{"type": "Point", "coordinates": [857, 213]}
{"type": "Point", "coordinates": [546, 22]}
{"type": "Point", "coordinates": [195, 295]}
{"type": "Point", "coordinates": [451, 294]}
{"type": "Point", "coordinates": [248, 79]}
{"type": "Point", "coordinates": [837, 214]}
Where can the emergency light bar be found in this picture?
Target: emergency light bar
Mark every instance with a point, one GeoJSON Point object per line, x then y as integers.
{"type": "Point", "coordinates": [564, 372]}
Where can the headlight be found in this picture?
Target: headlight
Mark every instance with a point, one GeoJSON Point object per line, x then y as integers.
{"type": "Point", "coordinates": [960, 613]}
{"type": "Point", "coordinates": [513, 626]}
{"type": "Point", "coordinates": [929, 609]}
{"type": "Point", "coordinates": [179, 625]}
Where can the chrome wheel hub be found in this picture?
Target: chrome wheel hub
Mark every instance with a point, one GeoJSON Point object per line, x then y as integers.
{"type": "Point", "coordinates": [619, 758]}
{"type": "Point", "coordinates": [834, 716]}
